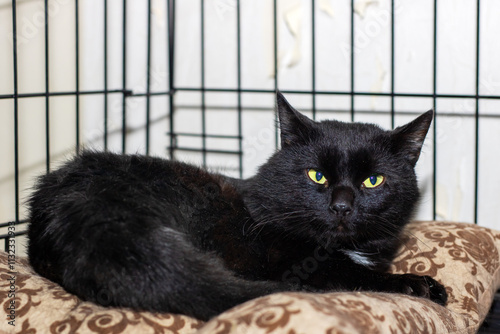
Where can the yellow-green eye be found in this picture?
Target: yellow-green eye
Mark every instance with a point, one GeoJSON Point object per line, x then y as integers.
{"type": "Point", "coordinates": [373, 181]}
{"type": "Point", "coordinates": [316, 176]}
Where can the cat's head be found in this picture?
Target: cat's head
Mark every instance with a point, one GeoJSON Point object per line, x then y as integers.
{"type": "Point", "coordinates": [346, 183]}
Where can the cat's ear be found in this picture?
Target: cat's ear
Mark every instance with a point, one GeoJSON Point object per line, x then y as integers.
{"type": "Point", "coordinates": [409, 138]}
{"type": "Point", "coordinates": [295, 127]}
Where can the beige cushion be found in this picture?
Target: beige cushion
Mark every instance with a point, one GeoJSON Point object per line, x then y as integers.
{"type": "Point", "coordinates": [464, 257]}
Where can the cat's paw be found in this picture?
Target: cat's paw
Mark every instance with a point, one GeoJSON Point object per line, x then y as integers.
{"type": "Point", "coordinates": [422, 286]}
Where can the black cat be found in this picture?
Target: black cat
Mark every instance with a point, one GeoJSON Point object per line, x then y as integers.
{"type": "Point", "coordinates": [325, 213]}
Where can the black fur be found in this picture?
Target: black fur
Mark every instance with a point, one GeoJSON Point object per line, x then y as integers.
{"type": "Point", "coordinates": [158, 235]}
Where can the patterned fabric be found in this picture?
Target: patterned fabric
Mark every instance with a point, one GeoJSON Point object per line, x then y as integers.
{"type": "Point", "coordinates": [464, 257]}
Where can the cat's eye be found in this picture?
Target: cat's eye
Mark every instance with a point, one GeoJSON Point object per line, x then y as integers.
{"type": "Point", "coordinates": [373, 181]}
{"type": "Point", "coordinates": [316, 176]}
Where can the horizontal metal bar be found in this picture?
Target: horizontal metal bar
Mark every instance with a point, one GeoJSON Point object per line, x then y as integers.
{"type": "Point", "coordinates": [90, 92]}
{"type": "Point", "coordinates": [16, 234]}
{"type": "Point", "coordinates": [347, 93]}
{"type": "Point", "coordinates": [199, 150]}
{"type": "Point", "coordinates": [161, 93]}
{"type": "Point", "coordinates": [12, 223]}
{"type": "Point", "coordinates": [185, 134]}
{"type": "Point", "coordinates": [131, 94]}
{"type": "Point", "coordinates": [347, 111]}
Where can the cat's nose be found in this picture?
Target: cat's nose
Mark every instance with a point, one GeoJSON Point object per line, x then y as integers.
{"type": "Point", "coordinates": [341, 209]}
{"type": "Point", "coordinates": [342, 201]}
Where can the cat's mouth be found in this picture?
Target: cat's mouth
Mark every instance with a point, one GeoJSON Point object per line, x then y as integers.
{"type": "Point", "coordinates": [341, 228]}
{"type": "Point", "coordinates": [345, 230]}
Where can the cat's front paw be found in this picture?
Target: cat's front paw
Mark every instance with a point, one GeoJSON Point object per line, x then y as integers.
{"type": "Point", "coordinates": [422, 286]}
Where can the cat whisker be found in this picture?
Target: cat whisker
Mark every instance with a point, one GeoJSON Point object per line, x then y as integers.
{"type": "Point", "coordinates": [420, 241]}
{"type": "Point", "coordinates": [272, 219]}
{"type": "Point", "coordinates": [387, 225]}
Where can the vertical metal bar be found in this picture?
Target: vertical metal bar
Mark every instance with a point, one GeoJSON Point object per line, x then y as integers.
{"type": "Point", "coordinates": [148, 84]}
{"type": "Point", "coordinates": [352, 60]}
{"type": "Point", "coordinates": [124, 77]}
{"type": "Point", "coordinates": [105, 75]}
{"type": "Point", "coordinates": [392, 64]}
{"type": "Point", "coordinates": [171, 71]}
{"type": "Point", "coordinates": [203, 105]}
{"type": "Point", "coordinates": [239, 107]}
{"type": "Point", "coordinates": [16, 113]}
{"type": "Point", "coordinates": [77, 76]}
{"type": "Point", "coordinates": [47, 106]}
{"type": "Point", "coordinates": [476, 161]}
{"type": "Point", "coordinates": [434, 92]}
{"type": "Point", "coordinates": [275, 47]}
{"type": "Point", "coordinates": [313, 56]}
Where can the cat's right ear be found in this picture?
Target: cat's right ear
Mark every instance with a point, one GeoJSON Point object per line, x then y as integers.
{"type": "Point", "coordinates": [295, 127]}
{"type": "Point", "coordinates": [408, 139]}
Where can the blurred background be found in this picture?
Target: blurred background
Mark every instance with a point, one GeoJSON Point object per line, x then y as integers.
{"type": "Point", "coordinates": [195, 80]}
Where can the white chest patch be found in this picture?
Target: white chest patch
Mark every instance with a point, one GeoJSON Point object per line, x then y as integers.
{"type": "Point", "coordinates": [359, 258]}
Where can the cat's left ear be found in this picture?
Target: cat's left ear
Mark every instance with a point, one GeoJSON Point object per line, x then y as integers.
{"type": "Point", "coordinates": [295, 127]}
{"type": "Point", "coordinates": [408, 139]}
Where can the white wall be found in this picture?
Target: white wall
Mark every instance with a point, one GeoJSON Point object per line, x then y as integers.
{"type": "Point", "coordinates": [456, 59]}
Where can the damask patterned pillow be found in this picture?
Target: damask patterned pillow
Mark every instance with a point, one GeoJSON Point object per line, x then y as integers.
{"type": "Point", "coordinates": [464, 257]}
